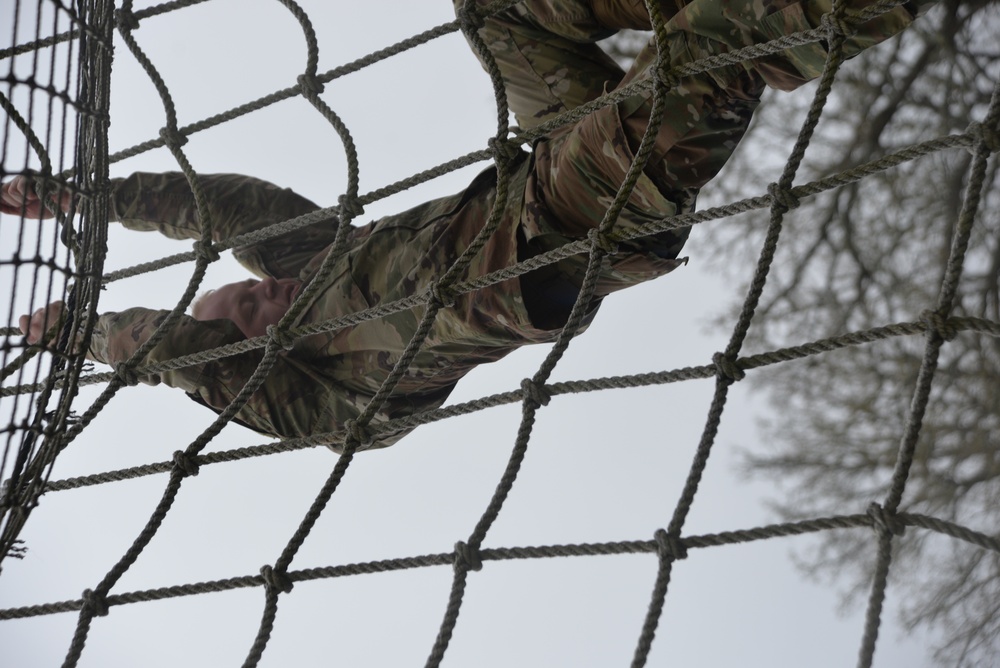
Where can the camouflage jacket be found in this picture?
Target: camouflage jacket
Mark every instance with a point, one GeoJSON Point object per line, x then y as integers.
{"type": "Point", "coordinates": [328, 378]}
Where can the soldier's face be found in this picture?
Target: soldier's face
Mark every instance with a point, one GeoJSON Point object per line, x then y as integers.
{"type": "Point", "coordinates": [251, 304]}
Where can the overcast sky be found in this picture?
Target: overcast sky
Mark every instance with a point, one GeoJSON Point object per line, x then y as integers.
{"type": "Point", "coordinates": [601, 466]}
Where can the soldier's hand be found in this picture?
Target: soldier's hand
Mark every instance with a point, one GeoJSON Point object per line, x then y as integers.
{"type": "Point", "coordinates": [40, 322]}
{"type": "Point", "coordinates": [18, 195]}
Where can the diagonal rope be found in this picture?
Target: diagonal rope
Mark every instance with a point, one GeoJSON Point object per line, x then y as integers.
{"type": "Point", "coordinates": [935, 338]}
{"type": "Point", "coordinates": [668, 544]}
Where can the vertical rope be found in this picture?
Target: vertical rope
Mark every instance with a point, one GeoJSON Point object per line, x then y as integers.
{"type": "Point", "coordinates": [534, 392]}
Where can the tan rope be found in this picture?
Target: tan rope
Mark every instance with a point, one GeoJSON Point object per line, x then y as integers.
{"type": "Point", "coordinates": [935, 322]}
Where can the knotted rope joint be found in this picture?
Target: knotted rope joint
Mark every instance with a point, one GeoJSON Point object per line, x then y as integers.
{"type": "Point", "coordinates": [470, 20]}
{"type": "Point", "coordinates": [204, 250]}
{"type": "Point", "coordinates": [308, 83]}
{"type": "Point", "coordinates": [467, 557]}
{"type": "Point", "coordinates": [94, 604]}
{"type": "Point", "coordinates": [989, 137]}
{"type": "Point", "coordinates": [350, 206]}
{"type": "Point", "coordinates": [442, 295]}
{"type": "Point", "coordinates": [666, 77]}
{"type": "Point", "coordinates": [602, 242]}
{"type": "Point", "coordinates": [126, 374]}
{"type": "Point", "coordinates": [535, 393]}
{"type": "Point", "coordinates": [885, 521]}
{"type": "Point", "coordinates": [504, 150]}
{"type": "Point", "coordinates": [185, 464]}
{"type": "Point", "coordinates": [670, 546]}
{"type": "Point", "coordinates": [276, 580]}
{"type": "Point", "coordinates": [357, 432]}
{"type": "Point", "coordinates": [938, 324]}
{"type": "Point", "coordinates": [837, 26]}
{"type": "Point", "coordinates": [782, 199]}
{"type": "Point", "coordinates": [728, 368]}
{"type": "Point", "coordinates": [280, 337]}
{"type": "Point", "coordinates": [126, 20]}
{"type": "Point", "coordinates": [173, 137]}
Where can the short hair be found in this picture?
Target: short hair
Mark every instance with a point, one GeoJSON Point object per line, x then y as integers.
{"type": "Point", "coordinates": [197, 304]}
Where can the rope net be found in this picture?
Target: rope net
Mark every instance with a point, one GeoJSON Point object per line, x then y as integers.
{"type": "Point", "coordinates": [58, 108]}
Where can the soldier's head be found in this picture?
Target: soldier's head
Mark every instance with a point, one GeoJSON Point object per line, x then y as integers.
{"type": "Point", "coordinates": [251, 304]}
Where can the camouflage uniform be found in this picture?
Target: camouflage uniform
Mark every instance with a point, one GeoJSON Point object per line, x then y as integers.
{"type": "Point", "coordinates": [546, 51]}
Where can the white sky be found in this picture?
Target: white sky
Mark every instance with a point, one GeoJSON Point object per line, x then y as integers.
{"type": "Point", "coordinates": [601, 467]}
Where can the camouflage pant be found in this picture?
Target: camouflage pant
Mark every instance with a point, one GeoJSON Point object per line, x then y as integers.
{"type": "Point", "coordinates": [550, 63]}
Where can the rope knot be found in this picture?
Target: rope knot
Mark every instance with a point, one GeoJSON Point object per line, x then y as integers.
{"type": "Point", "coordinates": [836, 26]}
{"type": "Point", "coordinates": [276, 580]}
{"type": "Point", "coordinates": [666, 77]}
{"type": "Point", "coordinates": [602, 242]}
{"type": "Point", "coordinates": [535, 392]}
{"type": "Point", "coordinates": [442, 295]}
{"type": "Point", "coordinates": [308, 83]}
{"type": "Point", "coordinates": [186, 464]}
{"type": "Point", "coordinates": [95, 604]}
{"type": "Point", "coordinates": [205, 250]}
{"type": "Point", "coordinates": [358, 432]}
{"type": "Point", "coordinates": [126, 20]}
{"type": "Point", "coordinates": [470, 20]}
{"type": "Point", "coordinates": [350, 206]}
{"type": "Point", "coordinates": [782, 199]}
{"type": "Point", "coordinates": [504, 150]}
{"type": "Point", "coordinates": [670, 546]}
{"type": "Point", "coordinates": [938, 324]}
{"type": "Point", "coordinates": [990, 137]}
{"type": "Point", "coordinates": [126, 374]}
{"type": "Point", "coordinates": [173, 137]}
{"type": "Point", "coordinates": [885, 521]}
{"type": "Point", "coordinates": [280, 337]}
{"type": "Point", "coordinates": [728, 367]}
{"type": "Point", "coordinates": [467, 557]}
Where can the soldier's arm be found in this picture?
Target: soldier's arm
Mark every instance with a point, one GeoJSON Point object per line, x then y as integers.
{"type": "Point", "coordinates": [117, 336]}
{"type": "Point", "coordinates": [214, 383]}
{"type": "Point", "coordinates": [295, 399]}
{"type": "Point", "coordinates": [236, 204]}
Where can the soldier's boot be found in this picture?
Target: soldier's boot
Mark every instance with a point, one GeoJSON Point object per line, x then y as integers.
{"type": "Point", "coordinates": [631, 14]}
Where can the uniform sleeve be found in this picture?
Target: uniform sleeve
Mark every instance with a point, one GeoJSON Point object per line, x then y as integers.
{"type": "Point", "coordinates": [296, 399]}
{"type": "Point", "coordinates": [237, 204]}
{"type": "Point", "coordinates": [117, 336]}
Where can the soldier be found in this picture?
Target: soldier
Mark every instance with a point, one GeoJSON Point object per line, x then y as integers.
{"type": "Point", "coordinates": [550, 63]}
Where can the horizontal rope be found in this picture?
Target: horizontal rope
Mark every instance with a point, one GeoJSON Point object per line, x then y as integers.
{"type": "Point", "coordinates": [740, 536]}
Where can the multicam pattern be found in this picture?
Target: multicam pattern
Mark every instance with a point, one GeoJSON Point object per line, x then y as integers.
{"type": "Point", "coordinates": [558, 193]}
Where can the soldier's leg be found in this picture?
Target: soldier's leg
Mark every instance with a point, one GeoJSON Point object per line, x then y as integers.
{"type": "Point", "coordinates": [578, 169]}
{"type": "Point", "coordinates": [546, 53]}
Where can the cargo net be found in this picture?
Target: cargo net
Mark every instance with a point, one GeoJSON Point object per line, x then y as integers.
{"type": "Point", "coordinates": [59, 107]}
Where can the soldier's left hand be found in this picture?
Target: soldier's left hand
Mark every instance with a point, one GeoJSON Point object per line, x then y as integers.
{"type": "Point", "coordinates": [40, 322]}
{"type": "Point", "coordinates": [18, 195]}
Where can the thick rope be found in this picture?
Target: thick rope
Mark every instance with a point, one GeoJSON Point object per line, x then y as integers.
{"type": "Point", "coordinates": [728, 366]}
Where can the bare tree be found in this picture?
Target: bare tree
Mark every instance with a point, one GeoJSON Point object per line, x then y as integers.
{"type": "Point", "coordinates": [866, 255]}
